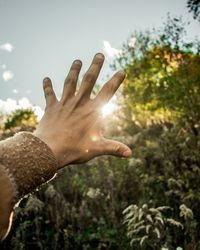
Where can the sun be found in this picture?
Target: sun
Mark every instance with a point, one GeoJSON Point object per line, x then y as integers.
{"type": "Point", "coordinates": [108, 108]}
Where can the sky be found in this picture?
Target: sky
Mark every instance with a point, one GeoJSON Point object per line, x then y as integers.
{"type": "Point", "coordinates": [40, 38]}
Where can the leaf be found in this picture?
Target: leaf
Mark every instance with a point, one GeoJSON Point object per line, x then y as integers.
{"type": "Point", "coordinates": [156, 230]}
{"type": "Point", "coordinates": [159, 218]}
{"type": "Point", "coordinates": [163, 208]}
{"type": "Point", "coordinates": [175, 223]}
{"type": "Point", "coordinates": [138, 224]}
{"type": "Point", "coordinates": [134, 240]}
{"type": "Point", "coordinates": [139, 229]}
{"type": "Point", "coordinates": [131, 207]}
{"type": "Point", "coordinates": [144, 238]}
{"type": "Point", "coordinates": [148, 228]}
{"type": "Point", "coordinates": [149, 218]}
{"type": "Point", "coordinates": [140, 215]}
{"type": "Point", "coordinates": [186, 212]}
{"type": "Point", "coordinates": [154, 210]}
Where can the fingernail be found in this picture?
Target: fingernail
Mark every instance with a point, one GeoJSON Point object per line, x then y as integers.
{"type": "Point", "coordinates": [46, 79]}
{"type": "Point", "coordinates": [78, 62]}
{"type": "Point", "coordinates": [121, 72]}
{"type": "Point", "coordinates": [99, 55]}
{"type": "Point", "coordinates": [126, 153]}
{"type": "Point", "coordinates": [46, 82]}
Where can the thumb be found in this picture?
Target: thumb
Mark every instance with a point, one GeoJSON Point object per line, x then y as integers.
{"type": "Point", "coordinates": [116, 148]}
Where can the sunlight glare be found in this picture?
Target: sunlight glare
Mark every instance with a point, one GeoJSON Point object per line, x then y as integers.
{"type": "Point", "coordinates": [108, 108]}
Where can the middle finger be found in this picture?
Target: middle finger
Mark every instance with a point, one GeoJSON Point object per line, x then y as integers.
{"type": "Point", "coordinates": [91, 75]}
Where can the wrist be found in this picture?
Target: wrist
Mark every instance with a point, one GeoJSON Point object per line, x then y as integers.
{"type": "Point", "coordinates": [62, 158]}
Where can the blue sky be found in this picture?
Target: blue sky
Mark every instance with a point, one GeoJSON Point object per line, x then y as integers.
{"type": "Point", "coordinates": [41, 38]}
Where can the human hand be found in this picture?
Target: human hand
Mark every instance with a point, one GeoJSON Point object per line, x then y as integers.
{"type": "Point", "coordinates": [71, 127]}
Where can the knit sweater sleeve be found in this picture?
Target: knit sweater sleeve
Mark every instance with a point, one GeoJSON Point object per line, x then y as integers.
{"type": "Point", "coordinates": [25, 163]}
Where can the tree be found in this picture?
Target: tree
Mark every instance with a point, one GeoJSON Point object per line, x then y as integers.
{"type": "Point", "coordinates": [163, 75]}
{"type": "Point", "coordinates": [194, 7]}
{"type": "Point", "coordinates": [161, 103]}
{"type": "Point", "coordinates": [21, 117]}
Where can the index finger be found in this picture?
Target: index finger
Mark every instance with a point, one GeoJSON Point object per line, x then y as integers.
{"type": "Point", "coordinates": [110, 87]}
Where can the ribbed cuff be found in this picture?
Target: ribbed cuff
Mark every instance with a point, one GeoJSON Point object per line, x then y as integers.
{"type": "Point", "coordinates": [29, 162]}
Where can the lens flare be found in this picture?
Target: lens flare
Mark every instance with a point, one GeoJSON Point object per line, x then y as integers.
{"type": "Point", "coordinates": [108, 109]}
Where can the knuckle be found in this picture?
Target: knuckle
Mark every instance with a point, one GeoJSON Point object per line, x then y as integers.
{"type": "Point", "coordinates": [76, 67]}
{"type": "Point", "coordinates": [110, 88]}
{"type": "Point", "coordinates": [89, 77]}
{"type": "Point", "coordinates": [69, 81]}
{"type": "Point", "coordinates": [117, 149]}
{"type": "Point", "coordinates": [98, 60]}
{"type": "Point", "coordinates": [49, 92]}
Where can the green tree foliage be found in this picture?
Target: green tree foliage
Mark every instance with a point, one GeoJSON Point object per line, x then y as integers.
{"type": "Point", "coordinates": [148, 226]}
{"type": "Point", "coordinates": [169, 174]}
{"type": "Point", "coordinates": [80, 209]}
{"type": "Point", "coordinates": [161, 104]}
{"type": "Point", "coordinates": [21, 117]}
{"type": "Point", "coordinates": [194, 7]}
{"type": "Point", "coordinates": [163, 74]}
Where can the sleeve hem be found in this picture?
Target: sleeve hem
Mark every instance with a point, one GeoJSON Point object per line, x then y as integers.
{"type": "Point", "coordinates": [28, 161]}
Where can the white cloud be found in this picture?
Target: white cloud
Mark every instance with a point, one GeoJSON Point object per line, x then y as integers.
{"type": "Point", "coordinates": [7, 75]}
{"type": "Point", "coordinates": [8, 106]}
{"type": "Point", "coordinates": [15, 91]}
{"type": "Point", "coordinates": [39, 112]}
{"type": "Point", "coordinates": [11, 105]}
{"type": "Point", "coordinates": [7, 47]}
{"type": "Point", "coordinates": [24, 103]}
{"type": "Point", "coordinates": [110, 51]}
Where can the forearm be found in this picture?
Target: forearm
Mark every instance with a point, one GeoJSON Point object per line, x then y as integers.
{"type": "Point", "coordinates": [25, 163]}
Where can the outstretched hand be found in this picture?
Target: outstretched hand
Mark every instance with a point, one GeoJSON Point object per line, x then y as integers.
{"type": "Point", "coordinates": [71, 127]}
